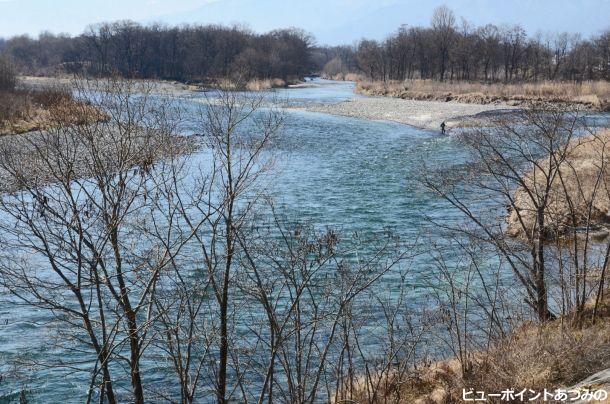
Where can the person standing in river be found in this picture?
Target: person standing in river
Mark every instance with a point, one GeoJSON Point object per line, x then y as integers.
{"type": "Point", "coordinates": [443, 127]}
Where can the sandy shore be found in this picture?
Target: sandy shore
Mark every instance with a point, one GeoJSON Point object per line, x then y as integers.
{"type": "Point", "coordinates": [421, 114]}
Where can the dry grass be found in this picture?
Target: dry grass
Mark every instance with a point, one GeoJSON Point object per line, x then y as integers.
{"type": "Point", "coordinates": [429, 383]}
{"type": "Point", "coordinates": [535, 357]}
{"type": "Point", "coordinates": [557, 354]}
{"type": "Point", "coordinates": [223, 84]}
{"type": "Point", "coordinates": [235, 85]}
{"type": "Point", "coordinates": [353, 77]}
{"type": "Point", "coordinates": [591, 94]}
{"type": "Point", "coordinates": [24, 111]}
{"type": "Point", "coordinates": [265, 84]}
{"type": "Point", "coordinates": [585, 157]}
{"type": "Point", "coordinates": [549, 356]}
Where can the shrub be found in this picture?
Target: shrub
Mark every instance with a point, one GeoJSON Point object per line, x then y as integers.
{"type": "Point", "coordinates": [334, 69]}
{"type": "Point", "coordinates": [264, 84]}
{"type": "Point", "coordinates": [8, 75]}
{"type": "Point", "coordinates": [12, 106]}
{"type": "Point", "coordinates": [23, 109]}
{"type": "Point", "coordinates": [51, 96]}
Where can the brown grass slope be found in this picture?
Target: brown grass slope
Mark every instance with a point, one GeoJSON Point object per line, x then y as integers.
{"type": "Point", "coordinates": [593, 95]}
{"type": "Point", "coordinates": [24, 111]}
{"type": "Point", "coordinates": [553, 355]}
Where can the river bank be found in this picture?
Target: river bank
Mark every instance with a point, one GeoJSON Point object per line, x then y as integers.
{"type": "Point", "coordinates": [157, 86]}
{"type": "Point", "coordinates": [176, 87]}
{"type": "Point", "coordinates": [42, 108]}
{"type": "Point", "coordinates": [421, 114]}
{"type": "Point", "coordinates": [417, 113]}
{"type": "Point", "coordinates": [577, 197]}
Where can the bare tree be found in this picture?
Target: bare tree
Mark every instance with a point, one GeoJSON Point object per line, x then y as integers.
{"type": "Point", "coordinates": [8, 74]}
{"type": "Point", "coordinates": [518, 165]}
{"type": "Point", "coordinates": [77, 197]}
{"type": "Point", "coordinates": [443, 26]}
{"type": "Point", "coordinates": [311, 297]}
{"type": "Point", "coordinates": [222, 195]}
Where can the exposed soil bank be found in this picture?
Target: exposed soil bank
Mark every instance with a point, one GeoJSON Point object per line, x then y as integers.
{"type": "Point", "coordinates": [577, 192]}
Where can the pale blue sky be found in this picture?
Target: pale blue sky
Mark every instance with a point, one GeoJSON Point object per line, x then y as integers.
{"type": "Point", "coordinates": [331, 21]}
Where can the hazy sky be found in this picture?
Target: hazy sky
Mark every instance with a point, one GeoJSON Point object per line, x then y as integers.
{"type": "Point", "coordinates": [331, 21]}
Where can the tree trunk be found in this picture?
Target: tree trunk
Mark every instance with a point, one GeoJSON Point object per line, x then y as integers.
{"type": "Point", "coordinates": [134, 345]}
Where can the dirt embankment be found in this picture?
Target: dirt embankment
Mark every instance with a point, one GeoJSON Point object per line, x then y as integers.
{"type": "Point", "coordinates": [579, 191]}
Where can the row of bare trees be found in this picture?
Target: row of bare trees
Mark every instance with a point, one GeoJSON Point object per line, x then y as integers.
{"type": "Point", "coordinates": [452, 50]}
{"type": "Point", "coordinates": [447, 50]}
{"type": "Point", "coordinates": [157, 51]}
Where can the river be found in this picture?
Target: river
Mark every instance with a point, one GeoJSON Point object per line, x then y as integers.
{"type": "Point", "coordinates": [353, 175]}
